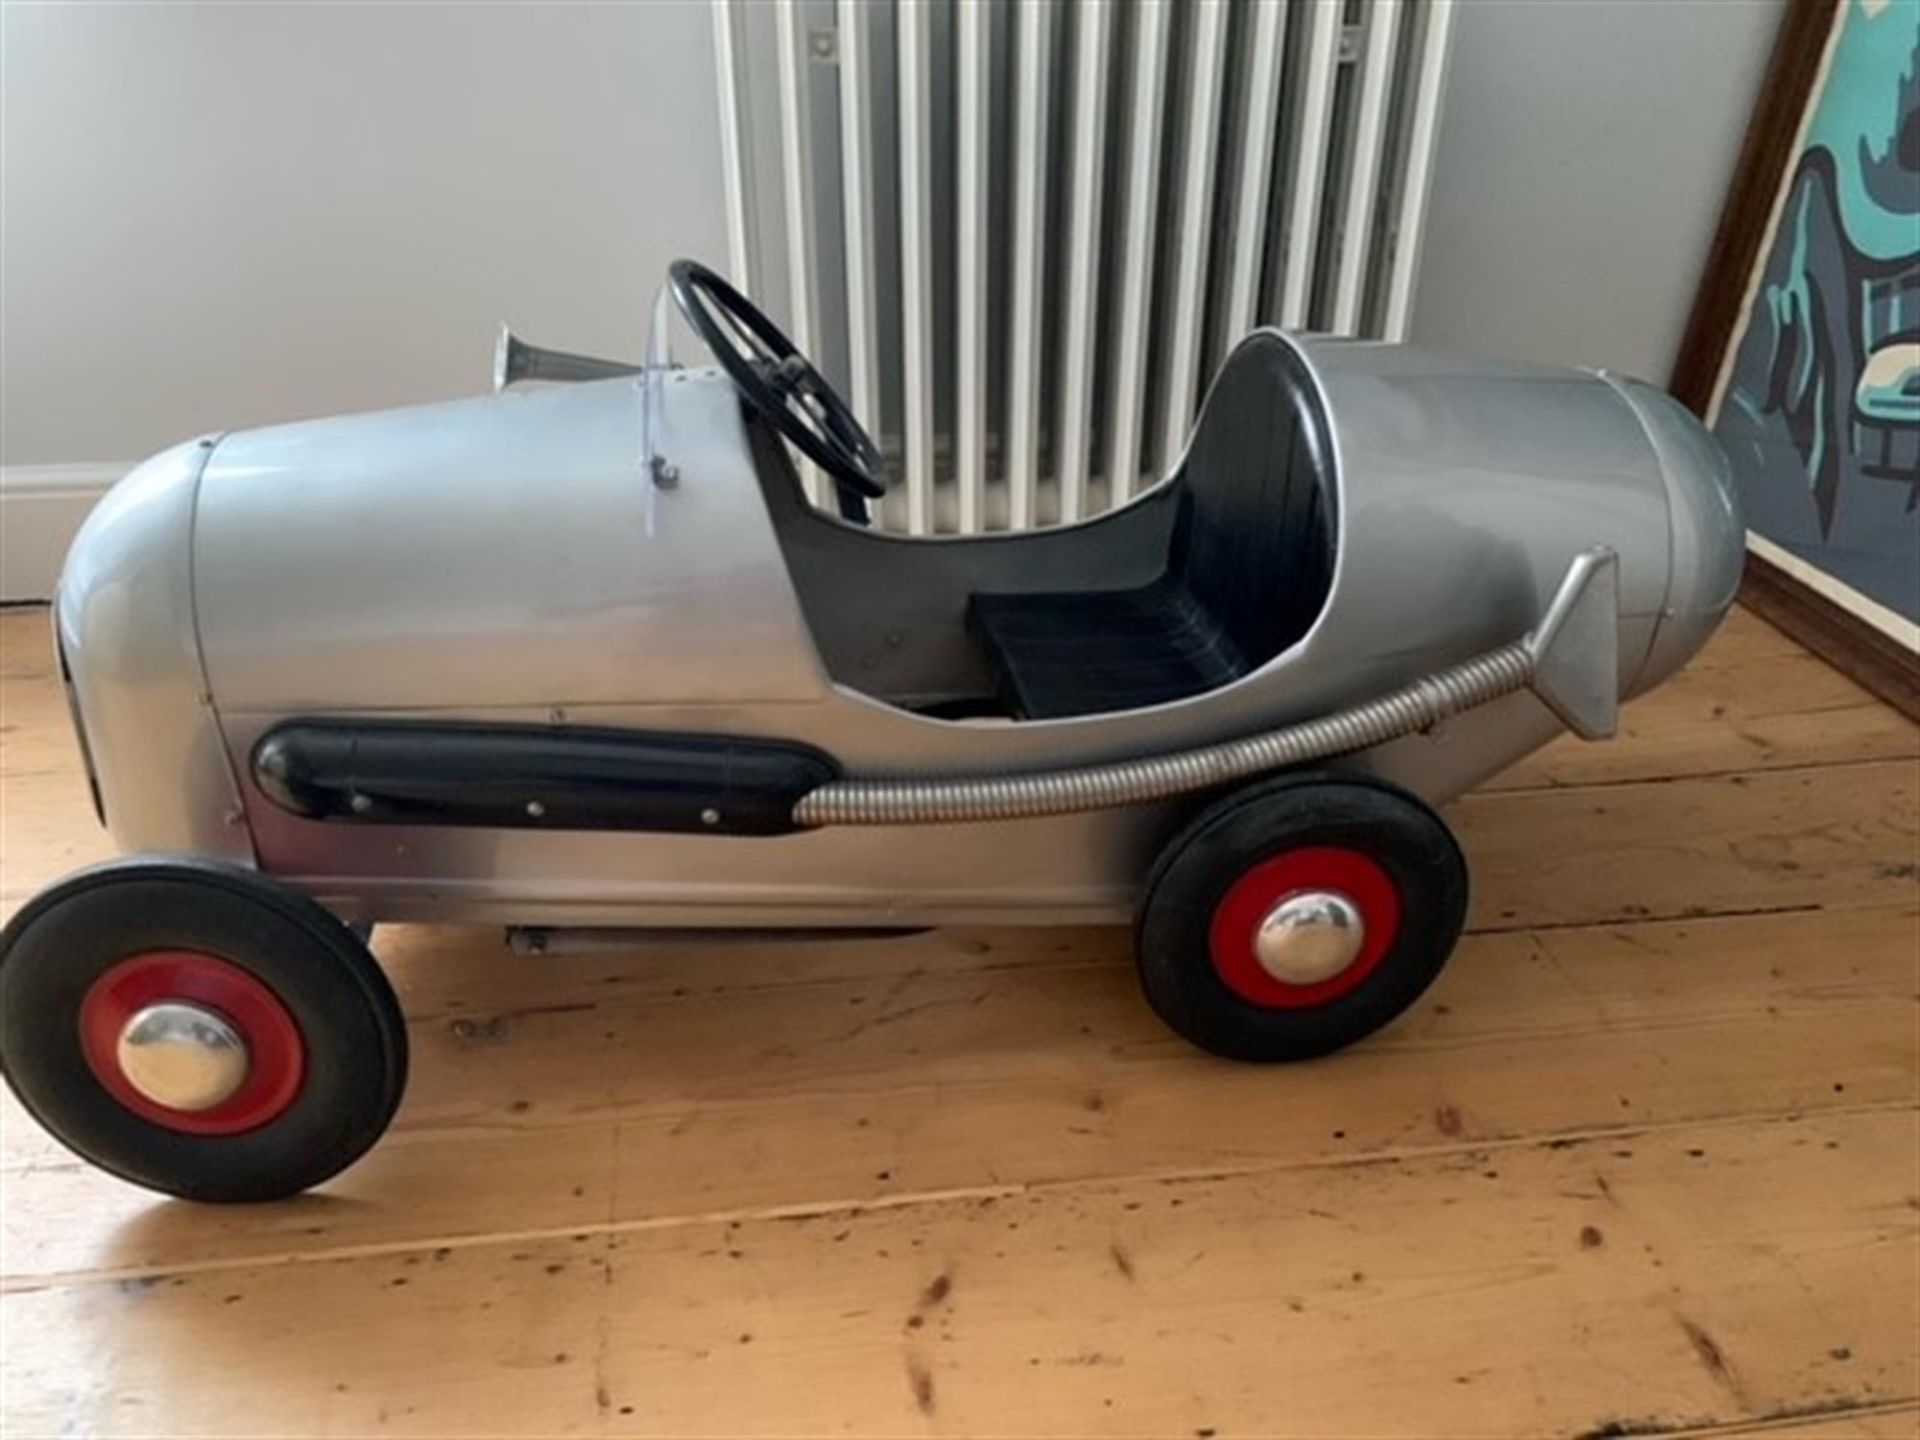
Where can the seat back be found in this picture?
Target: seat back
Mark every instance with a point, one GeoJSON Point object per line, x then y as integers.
{"type": "Point", "coordinates": [1255, 542]}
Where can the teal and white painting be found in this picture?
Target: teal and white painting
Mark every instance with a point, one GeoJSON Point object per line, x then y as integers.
{"type": "Point", "coordinates": [1820, 409]}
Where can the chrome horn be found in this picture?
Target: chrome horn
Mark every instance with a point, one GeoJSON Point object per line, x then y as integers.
{"type": "Point", "coordinates": [514, 360]}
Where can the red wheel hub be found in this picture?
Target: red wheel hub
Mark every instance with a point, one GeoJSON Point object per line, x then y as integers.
{"type": "Point", "coordinates": [275, 1059]}
{"type": "Point", "coordinates": [1331, 869]}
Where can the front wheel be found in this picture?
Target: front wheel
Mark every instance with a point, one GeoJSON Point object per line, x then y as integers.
{"type": "Point", "coordinates": [1298, 916]}
{"type": "Point", "coordinates": [198, 1029]}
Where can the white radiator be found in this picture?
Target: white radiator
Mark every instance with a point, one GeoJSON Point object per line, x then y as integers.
{"type": "Point", "coordinates": [1020, 234]}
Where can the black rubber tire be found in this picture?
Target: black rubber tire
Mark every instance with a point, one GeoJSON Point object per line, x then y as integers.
{"type": "Point", "coordinates": [1397, 831]}
{"type": "Point", "coordinates": [350, 1023]}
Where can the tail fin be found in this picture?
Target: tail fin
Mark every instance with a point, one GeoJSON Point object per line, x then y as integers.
{"type": "Point", "coordinates": [1576, 647]}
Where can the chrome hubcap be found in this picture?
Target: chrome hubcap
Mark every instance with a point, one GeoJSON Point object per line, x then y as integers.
{"type": "Point", "coordinates": [183, 1056]}
{"type": "Point", "coordinates": [1309, 936]}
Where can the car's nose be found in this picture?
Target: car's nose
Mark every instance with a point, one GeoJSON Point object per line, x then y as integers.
{"type": "Point", "coordinates": [1707, 535]}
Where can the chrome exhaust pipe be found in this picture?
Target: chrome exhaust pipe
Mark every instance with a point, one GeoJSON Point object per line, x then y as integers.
{"type": "Point", "coordinates": [1570, 660]}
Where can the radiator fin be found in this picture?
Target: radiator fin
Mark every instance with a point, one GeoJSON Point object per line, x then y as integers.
{"type": "Point", "coordinates": [1021, 235]}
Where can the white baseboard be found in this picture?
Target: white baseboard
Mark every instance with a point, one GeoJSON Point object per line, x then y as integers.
{"type": "Point", "coordinates": [41, 507]}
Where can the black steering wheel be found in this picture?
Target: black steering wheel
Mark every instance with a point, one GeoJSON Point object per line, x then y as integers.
{"type": "Point", "coordinates": [781, 383]}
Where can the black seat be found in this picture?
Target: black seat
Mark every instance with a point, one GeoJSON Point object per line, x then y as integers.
{"type": "Point", "coordinates": [1248, 569]}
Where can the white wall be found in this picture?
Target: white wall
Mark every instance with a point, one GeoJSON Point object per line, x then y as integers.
{"type": "Point", "coordinates": [222, 215]}
{"type": "Point", "coordinates": [1584, 153]}
{"type": "Point", "coordinates": [219, 215]}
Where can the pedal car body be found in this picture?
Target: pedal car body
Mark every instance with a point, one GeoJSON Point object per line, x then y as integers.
{"type": "Point", "coordinates": [488, 562]}
{"type": "Point", "coordinates": [584, 656]}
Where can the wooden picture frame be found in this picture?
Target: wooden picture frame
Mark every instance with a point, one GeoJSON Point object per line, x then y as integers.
{"type": "Point", "coordinates": [1860, 638]}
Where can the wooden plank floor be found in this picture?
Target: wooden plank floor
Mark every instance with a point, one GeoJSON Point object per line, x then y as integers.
{"type": "Point", "coordinates": [1645, 1161]}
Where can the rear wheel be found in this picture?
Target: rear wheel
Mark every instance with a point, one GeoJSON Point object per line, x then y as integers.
{"type": "Point", "coordinates": [1299, 916]}
{"type": "Point", "coordinates": [198, 1029]}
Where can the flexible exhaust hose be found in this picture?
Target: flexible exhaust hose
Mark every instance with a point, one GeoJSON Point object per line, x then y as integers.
{"type": "Point", "coordinates": [1130, 782]}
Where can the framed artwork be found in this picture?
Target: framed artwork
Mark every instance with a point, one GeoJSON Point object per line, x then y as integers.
{"type": "Point", "coordinates": [1803, 350]}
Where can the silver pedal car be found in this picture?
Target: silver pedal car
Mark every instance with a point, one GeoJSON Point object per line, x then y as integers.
{"type": "Point", "coordinates": [583, 658]}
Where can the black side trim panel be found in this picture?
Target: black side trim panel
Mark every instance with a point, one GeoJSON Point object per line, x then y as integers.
{"type": "Point", "coordinates": [530, 777]}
